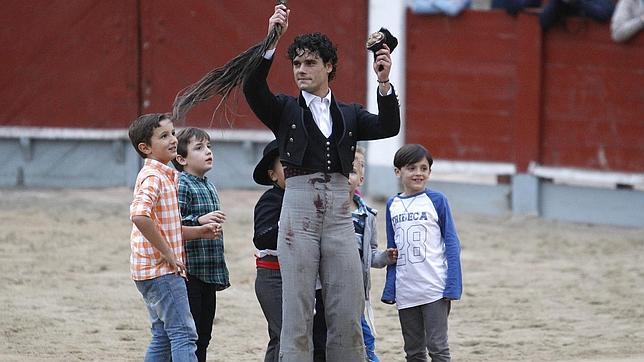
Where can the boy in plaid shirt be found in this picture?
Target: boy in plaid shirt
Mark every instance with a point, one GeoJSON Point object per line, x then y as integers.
{"type": "Point", "coordinates": [156, 242]}
{"type": "Point", "coordinates": [199, 204]}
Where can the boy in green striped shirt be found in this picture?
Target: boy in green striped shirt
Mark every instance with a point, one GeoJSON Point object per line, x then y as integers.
{"type": "Point", "coordinates": [199, 205]}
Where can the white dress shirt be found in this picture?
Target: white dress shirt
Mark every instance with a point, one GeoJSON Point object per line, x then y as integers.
{"type": "Point", "coordinates": [321, 110]}
{"type": "Point", "coordinates": [320, 107]}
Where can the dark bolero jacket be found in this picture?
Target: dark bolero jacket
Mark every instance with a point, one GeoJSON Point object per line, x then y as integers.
{"type": "Point", "coordinates": [267, 217]}
{"type": "Point", "coordinates": [284, 115]}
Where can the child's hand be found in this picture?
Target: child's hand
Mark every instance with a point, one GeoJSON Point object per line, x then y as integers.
{"type": "Point", "coordinates": [392, 255]}
{"type": "Point", "coordinates": [211, 230]}
{"type": "Point", "coordinates": [215, 216]}
{"type": "Point", "coordinates": [175, 265]}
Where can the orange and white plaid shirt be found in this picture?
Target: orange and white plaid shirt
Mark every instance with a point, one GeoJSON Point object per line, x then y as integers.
{"type": "Point", "coordinates": [155, 196]}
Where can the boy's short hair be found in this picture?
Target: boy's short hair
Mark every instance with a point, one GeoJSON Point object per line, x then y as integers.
{"type": "Point", "coordinates": [142, 129]}
{"type": "Point", "coordinates": [361, 150]}
{"type": "Point", "coordinates": [315, 43]}
{"type": "Point", "coordinates": [411, 153]}
{"type": "Point", "coordinates": [183, 138]}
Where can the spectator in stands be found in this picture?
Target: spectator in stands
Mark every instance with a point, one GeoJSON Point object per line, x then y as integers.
{"type": "Point", "coordinates": [556, 10]}
{"type": "Point", "coordinates": [627, 20]}
{"type": "Point", "coordinates": [449, 7]}
{"type": "Point", "coordinates": [514, 6]}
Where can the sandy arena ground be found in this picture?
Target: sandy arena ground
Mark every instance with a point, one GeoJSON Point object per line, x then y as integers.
{"type": "Point", "coordinates": [534, 290]}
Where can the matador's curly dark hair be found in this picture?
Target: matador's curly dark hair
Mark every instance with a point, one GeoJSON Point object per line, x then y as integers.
{"type": "Point", "coordinates": [315, 43]}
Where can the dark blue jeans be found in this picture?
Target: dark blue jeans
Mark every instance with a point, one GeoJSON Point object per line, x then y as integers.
{"type": "Point", "coordinates": [514, 6]}
{"type": "Point", "coordinates": [555, 10]}
{"type": "Point", "coordinates": [369, 342]}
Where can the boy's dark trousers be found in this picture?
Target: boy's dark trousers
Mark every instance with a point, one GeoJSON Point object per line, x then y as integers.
{"type": "Point", "coordinates": [319, 329]}
{"type": "Point", "coordinates": [424, 330]}
{"type": "Point", "coordinates": [203, 302]}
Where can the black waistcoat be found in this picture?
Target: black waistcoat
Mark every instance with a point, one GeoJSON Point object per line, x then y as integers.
{"type": "Point", "coordinates": [321, 153]}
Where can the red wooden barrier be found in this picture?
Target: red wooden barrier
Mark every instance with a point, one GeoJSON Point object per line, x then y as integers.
{"type": "Point", "coordinates": [68, 63]}
{"type": "Point", "coordinates": [185, 39]}
{"type": "Point", "coordinates": [489, 87]}
{"type": "Point", "coordinates": [462, 84]}
{"type": "Point", "coordinates": [593, 99]}
{"type": "Point", "coordinates": [483, 86]}
{"type": "Point", "coordinates": [98, 64]}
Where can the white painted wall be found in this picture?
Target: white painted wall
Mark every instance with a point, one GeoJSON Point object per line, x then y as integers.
{"type": "Point", "coordinates": [380, 180]}
{"type": "Point", "coordinates": [391, 15]}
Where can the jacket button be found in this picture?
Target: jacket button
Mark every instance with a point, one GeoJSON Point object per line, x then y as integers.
{"type": "Point", "coordinates": [353, 148]}
{"type": "Point", "coordinates": [329, 162]}
{"type": "Point", "coordinates": [328, 155]}
{"type": "Point", "coordinates": [293, 126]}
{"type": "Point", "coordinates": [350, 133]}
{"type": "Point", "coordinates": [288, 154]}
{"type": "Point", "coordinates": [328, 168]}
{"type": "Point", "coordinates": [328, 143]}
{"type": "Point", "coordinates": [290, 139]}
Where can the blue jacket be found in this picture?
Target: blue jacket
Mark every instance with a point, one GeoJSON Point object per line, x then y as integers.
{"type": "Point", "coordinates": [372, 256]}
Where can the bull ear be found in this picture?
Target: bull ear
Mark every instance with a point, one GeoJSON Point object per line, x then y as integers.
{"type": "Point", "coordinates": [390, 40]}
